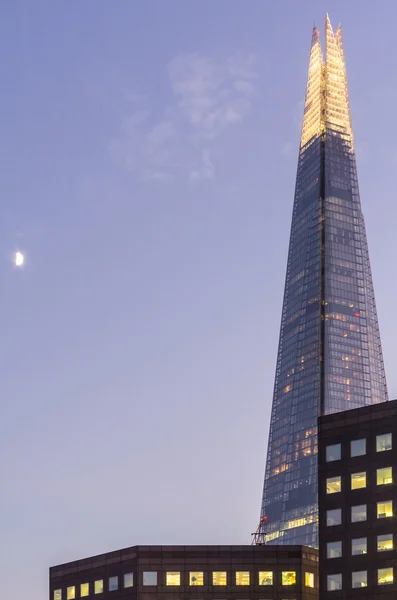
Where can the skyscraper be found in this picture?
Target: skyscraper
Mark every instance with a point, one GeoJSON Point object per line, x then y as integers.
{"type": "Point", "coordinates": [329, 355]}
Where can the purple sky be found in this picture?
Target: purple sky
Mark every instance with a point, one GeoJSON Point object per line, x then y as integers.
{"type": "Point", "coordinates": [148, 159]}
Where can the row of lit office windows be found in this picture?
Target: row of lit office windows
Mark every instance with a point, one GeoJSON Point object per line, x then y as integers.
{"type": "Point", "coordinates": [358, 513]}
{"type": "Point", "coordinates": [359, 579]}
{"type": "Point", "coordinates": [173, 578]}
{"type": "Point", "coordinates": [358, 546]}
{"type": "Point", "coordinates": [358, 481]}
{"type": "Point", "coordinates": [359, 447]}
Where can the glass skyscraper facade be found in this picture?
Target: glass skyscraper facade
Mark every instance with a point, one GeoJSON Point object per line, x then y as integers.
{"type": "Point", "coordinates": [329, 355]}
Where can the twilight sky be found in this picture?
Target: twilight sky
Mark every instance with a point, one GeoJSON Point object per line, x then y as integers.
{"type": "Point", "coordinates": [148, 157]}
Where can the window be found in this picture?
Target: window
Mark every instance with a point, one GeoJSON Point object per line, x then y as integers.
{"type": "Point", "coordinates": [196, 578]}
{"type": "Point", "coordinates": [334, 549]}
{"type": "Point", "coordinates": [57, 594]}
{"type": "Point", "coordinates": [334, 485]}
{"type": "Point", "coordinates": [265, 577]}
{"type": "Point", "coordinates": [128, 580]}
{"type": "Point", "coordinates": [385, 542]}
{"type": "Point", "coordinates": [172, 578]}
{"type": "Point", "coordinates": [288, 577]}
{"type": "Point", "coordinates": [334, 582]}
{"type": "Point", "coordinates": [359, 579]}
{"type": "Point", "coordinates": [334, 517]}
{"type": "Point", "coordinates": [384, 476]}
{"type": "Point", "coordinates": [384, 509]}
{"type": "Point", "coordinates": [358, 480]}
{"type": "Point", "coordinates": [333, 453]}
{"type": "Point", "coordinates": [242, 577]}
{"type": "Point", "coordinates": [113, 583]}
{"type": "Point", "coordinates": [150, 578]}
{"type": "Point", "coordinates": [385, 576]}
{"type": "Point", "coordinates": [84, 590]}
{"type": "Point", "coordinates": [98, 586]}
{"type": "Point", "coordinates": [71, 593]}
{"type": "Point", "coordinates": [359, 513]}
{"type": "Point", "coordinates": [359, 546]}
{"type": "Point", "coordinates": [358, 447]}
{"type": "Point", "coordinates": [383, 442]}
{"type": "Point", "coordinates": [219, 578]}
{"type": "Point", "coordinates": [309, 580]}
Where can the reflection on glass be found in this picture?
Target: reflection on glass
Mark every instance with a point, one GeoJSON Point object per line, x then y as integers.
{"type": "Point", "coordinates": [383, 442]}
{"type": "Point", "coordinates": [385, 542]}
{"type": "Point", "coordinates": [334, 485]}
{"type": "Point", "coordinates": [359, 513]}
{"type": "Point", "coordinates": [265, 577]}
{"type": "Point", "coordinates": [334, 517]}
{"type": "Point", "coordinates": [113, 583]}
{"type": "Point", "coordinates": [334, 549]}
{"type": "Point", "coordinates": [384, 476]}
{"type": "Point", "coordinates": [358, 447]}
{"type": "Point", "coordinates": [128, 580]}
{"type": "Point", "coordinates": [334, 582]}
{"type": "Point", "coordinates": [358, 480]}
{"type": "Point", "coordinates": [172, 578]}
{"type": "Point", "coordinates": [359, 579]}
{"type": "Point", "coordinates": [359, 546]}
{"type": "Point", "coordinates": [385, 576]}
{"type": "Point", "coordinates": [288, 577]}
{"type": "Point", "coordinates": [219, 578]}
{"type": "Point", "coordinates": [384, 509]}
{"type": "Point", "coordinates": [150, 578]}
{"type": "Point", "coordinates": [333, 452]}
{"type": "Point", "coordinates": [196, 578]}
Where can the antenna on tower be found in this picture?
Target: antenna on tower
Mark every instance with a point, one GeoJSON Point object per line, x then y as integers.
{"type": "Point", "coordinates": [258, 538]}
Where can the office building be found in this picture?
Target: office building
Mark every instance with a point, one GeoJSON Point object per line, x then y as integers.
{"type": "Point", "coordinates": [358, 503]}
{"type": "Point", "coordinates": [329, 355]}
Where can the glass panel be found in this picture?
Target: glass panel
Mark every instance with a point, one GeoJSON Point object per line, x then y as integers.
{"type": "Point", "coordinates": [359, 579]}
{"type": "Point", "coordinates": [385, 576]}
{"type": "Point", "coordinates": [173, 578]}
{"type": "Point", "coordinates": [359, 513]}
{"type": "Point", "coordinates": [219, 578]}
{"type": "Point", "coordinates": [196, 578]}
{"type": "Point", "coordinates": [334, 517]}
{"type": "Point", "coordinates": [334, 485]}
{"type": "Point", "coordinates": [57, 594]}
{"type": "Point", "coordinates": [359, 546]}
{"type": "Point", "coordinates": [288, 578]}
{"type": "Point", "coordinates": [128, 580]}
{"type": "Point", "coordinates": [334, 582]}
{"type": "Point", "coordinates": [384, 509]}
{"type": "Point", "coordinates": [384, 476]}
{"type": "Point", "coordinates": [265, 577]}
{"type": "Point", "coordinates": [358, 480]}
{"type": "Point", "coordinates": [242, 577]}
{"type": "Point", "coordinates": [385, 542]}
{"type": "Point", "coordinates": [333, 452]}
{"type": "Point", "coordinates": [84, 590]}
{"type": "Point", "coordinates": [358, 447]}
{"type": "Point", "coordinates": [71, 592]}
{"type": "Point", "coordinates": [309, 580]}
{"type": "Point", "coordinates": [113, 583]}
{"type": "Point", "coordinates": [150, 578]}
{"type": "Point", "coordinates": [383, 442]}
{"type": "Point", "coordinates": [98, 586]}
{"type": "Point", "coordinates": [334, 549]}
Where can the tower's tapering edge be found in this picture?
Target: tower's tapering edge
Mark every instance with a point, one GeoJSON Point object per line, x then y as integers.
{"type": "Point", "coordinates": [311, 126]}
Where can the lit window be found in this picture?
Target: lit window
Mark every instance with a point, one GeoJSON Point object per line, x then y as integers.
{"type": "Point", "coordinates": [71, 593]}
{"type": "Point", "coordinates": [334, 549]}
{"type": "Point", "coordinates": [150, 578]}
{"type": "Point", "coordinates": [196, 578]}
{"type": "Point", "coordinates": [288, 577]}
{"type": "Point", "coordinates": [219, 578]}
{"type": "Point", "coordinates": [383, 442]}
{"type": "Point", "coordinates": [359, 513]}
{"type": "Point", "coordinates": [333, 452]}
{"type": "Point", "coordinates": [385, 542]}
{"type": "Point", "coordinates": [359, 546]}
{"type": "Point", "coordinates": [359, 579]}
{"type": "Point", "coordinates": [242, 577]}
{"type": "Point", "coordinates": [265, 577]}
{"type": "Point", "coordinates": [384, 509]}
{"type": "Point", "coordinates": [98, 586]}
{"type": "Point", "coordinates": [309, 580]}
{"type": "Point", "coordinates": [384, 476]}
{"type": "Point", "coordinates": [334, 517]}
{"type": "Point", "coordinates": [57, 594]}
{"type": "Point", "coordinates": [334, 485]}
{"type": "Point", "coordinates": [334, 582]}
{"type": "Point", "coordinates": [358, 480]}
{"type": "Point", "coordinates": [128, 580]}
{"type": "Point", "coordinates": [385, 576]}
{"type": "Point", "coordinates": [84, 590]}
{"type": "Point", "coordinates": [358, 447]}
{"type": "Point", "coordinates": [113, 583]}
{"type": "Point", "coordinates": [173, 578]}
